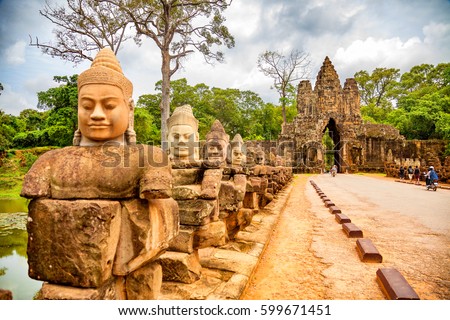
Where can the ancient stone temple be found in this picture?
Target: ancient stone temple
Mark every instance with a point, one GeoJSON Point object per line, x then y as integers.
{"type": "Point", "coordinates": [333, 110]}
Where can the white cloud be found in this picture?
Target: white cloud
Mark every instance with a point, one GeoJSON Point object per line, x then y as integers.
{"type": "Point", "coordinates": [15, 54]}
{"type": "Point", "coordinates": [437, 33]}
{"type": "Point", "coordinates": [12, 102]}
{"type": "Point", "coordinates": [372, 53]}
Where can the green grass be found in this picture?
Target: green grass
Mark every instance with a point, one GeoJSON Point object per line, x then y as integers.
{"type": "Point", "coordinates": [13, 168]}
{"type": "Point", "coordinates": [12, 192]}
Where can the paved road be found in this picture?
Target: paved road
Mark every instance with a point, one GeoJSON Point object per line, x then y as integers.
{"type": "Point", "coordinates": [432, 209]}
{"type": "Point", "coordinates": [310, 257]}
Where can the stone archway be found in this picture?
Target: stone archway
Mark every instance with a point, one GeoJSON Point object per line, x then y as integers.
{"type": "Point", "coordinates": [335, 135]}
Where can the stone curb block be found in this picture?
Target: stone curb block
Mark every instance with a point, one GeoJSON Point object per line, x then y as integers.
{"type": "Point", "coordinates": [352, 230]}
{"type": "Point", "coordinates": [367, 251]}
{"type": "Point", "coordinates": [342, 218]}
{"type": "Point", "coordinates": [394, 285]}
{"type": "Point", "coordinates": [334, 209]}
{"type": "Point", "coordinates": [328, 203]}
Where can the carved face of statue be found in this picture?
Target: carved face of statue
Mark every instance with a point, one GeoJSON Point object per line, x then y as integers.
{"type": "Point", "coordinates": [260, 158]}
{"type": "Point", "coordinates": [216, 150]}
{"type": "Point", "coordinates": [237, 156]}
{"type": "Point", "coordinates": [182, 140]}
{"type": "Point", "coordinates": [103, 113]}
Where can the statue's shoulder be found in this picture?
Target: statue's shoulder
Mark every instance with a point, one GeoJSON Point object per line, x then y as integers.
{"type": "Point", "coordinates": [50, 157]}
{"type": "Point", "coordinates": [36, 182]}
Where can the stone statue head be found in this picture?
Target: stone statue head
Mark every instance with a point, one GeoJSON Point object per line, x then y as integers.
{"type": "Point", "coordinates": [236, 155]}
{"type": "Point", "coordinates": [105, 107]}
{"type": "Point", "coordinates": [183, 137]}
{"type": "Point", "coordinates": [216, 146]}
{"type": "Point", "coordinates": [260, 157]}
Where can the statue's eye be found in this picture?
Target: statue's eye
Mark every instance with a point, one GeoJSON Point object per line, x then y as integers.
{"type": "Point", "coordinates": [87, 106]}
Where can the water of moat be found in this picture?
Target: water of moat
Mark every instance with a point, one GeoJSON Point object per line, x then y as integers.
{"type": "Point", "coordinates": [13, 250]}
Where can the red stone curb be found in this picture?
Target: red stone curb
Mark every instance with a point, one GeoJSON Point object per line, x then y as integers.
{"type": "Point", "coordinates": [342, 218]}
{"type": "Point", "coordinates": [367, 251]}
{"type": "Point", "coordinates": [394, 285]}
{"type": "Point", "coordinates": [334, 209]}
{"type": "Point", "coordinates": [352, 230]}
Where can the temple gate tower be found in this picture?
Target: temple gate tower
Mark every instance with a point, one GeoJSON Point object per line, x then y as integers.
{"type": "Point", "coordinates": [335, 111]}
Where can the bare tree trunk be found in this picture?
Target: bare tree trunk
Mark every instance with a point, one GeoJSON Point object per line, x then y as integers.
{"type": "Point", "coordinates": [283, 105]}
{"type": "Point", "coordinates": [165, 95]}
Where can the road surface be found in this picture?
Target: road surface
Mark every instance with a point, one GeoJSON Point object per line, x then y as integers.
{"type": "Point", "coordinates": [310, 257]}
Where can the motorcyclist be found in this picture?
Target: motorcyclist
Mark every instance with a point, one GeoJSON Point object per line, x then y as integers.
{"type": "Point", "coordinates": [432, 175]}
{"type": "Point", "coordinates": [333, 170]}
{"type": "Point", "coordinates": [427, 176]}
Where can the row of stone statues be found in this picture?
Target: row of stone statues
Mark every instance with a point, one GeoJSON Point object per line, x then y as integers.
{"type": "Point", "coordinates": [111, 219]}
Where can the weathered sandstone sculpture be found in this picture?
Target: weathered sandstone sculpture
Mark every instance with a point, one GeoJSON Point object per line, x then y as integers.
{"type": "Point", "coordinates": [101, 212]}
{"type": "Point", "coordinates": [183, 137]}
{"type": "Point", "coordinates": [236, 157]}
{"type": "Point", "coordinates": [196, 190]}
{"type": "Point", "coordinates": [216, 147]}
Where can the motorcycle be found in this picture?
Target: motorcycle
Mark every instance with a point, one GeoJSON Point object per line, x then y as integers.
{"type": "Point", "coordinates": [432, 185]}
{"type": "Point", "coordinates": [333, 171]}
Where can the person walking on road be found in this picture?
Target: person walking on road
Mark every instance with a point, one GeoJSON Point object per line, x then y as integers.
{"type": "Point", "coordinates": [402, 173]}
{"type": "Point", "coordinates": [417, 175]}
{"type": "Point", "coordinates": [410, 173]}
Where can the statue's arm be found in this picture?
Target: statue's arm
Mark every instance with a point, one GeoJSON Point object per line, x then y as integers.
{"type": "Point", "coordinates": [156, 182]}
{"type": "Point", "coordinates": [36, 183]}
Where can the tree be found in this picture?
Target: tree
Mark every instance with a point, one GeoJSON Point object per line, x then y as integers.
{"type": "Point", "coordinates": [9, 126]}
{"type": "Point", "coordinates": [65, 95]}
{"type": "Point", "coordinates": [56, 125]}
{"type": "Point", "coordinates": [235, 109]}
{"type": "Point", "coordinates": [144, 125]}
{"type": "Point", "coordinates": [83, 28]}
{"type": "Point", "coordinates": [175, 26]}
{"type": "Point", "coordinates": [284, 70]}
{"type": "Point", "coordinates": [33, 119]}
{"type": "Point", "coordinates": [1, 88]}
{"type": "Point", "coordinates": [418, 104]}
{"type": "Point", "coordinates": [379, 87]}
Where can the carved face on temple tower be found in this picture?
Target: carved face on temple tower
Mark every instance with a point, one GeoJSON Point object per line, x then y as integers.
{"type": "Point", "coordinates": [183, 134]}
{"type": "Point", "coordinates": [104, 96]}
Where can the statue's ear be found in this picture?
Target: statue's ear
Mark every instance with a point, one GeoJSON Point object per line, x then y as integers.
{"type": "Point", "coordinates": [131, 104]}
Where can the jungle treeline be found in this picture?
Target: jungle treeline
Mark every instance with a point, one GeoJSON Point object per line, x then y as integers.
{"type": "Point", "coordinates": [417, 103]}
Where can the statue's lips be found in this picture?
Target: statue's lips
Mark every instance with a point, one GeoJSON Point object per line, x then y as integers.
{"type": "Point", "coordinates": [99, 126]}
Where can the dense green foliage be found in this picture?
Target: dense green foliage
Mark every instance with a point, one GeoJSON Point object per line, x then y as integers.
{"type": "Point", "coordinates": [53, 127]}
{"type": "Point", "coordinates": [416, 102]}
{"type": "Point", "coordinates": [242, 112]}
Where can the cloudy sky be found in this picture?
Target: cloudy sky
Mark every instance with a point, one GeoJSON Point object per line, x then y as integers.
{"type": "Point", "coordinates": [355, 34]}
